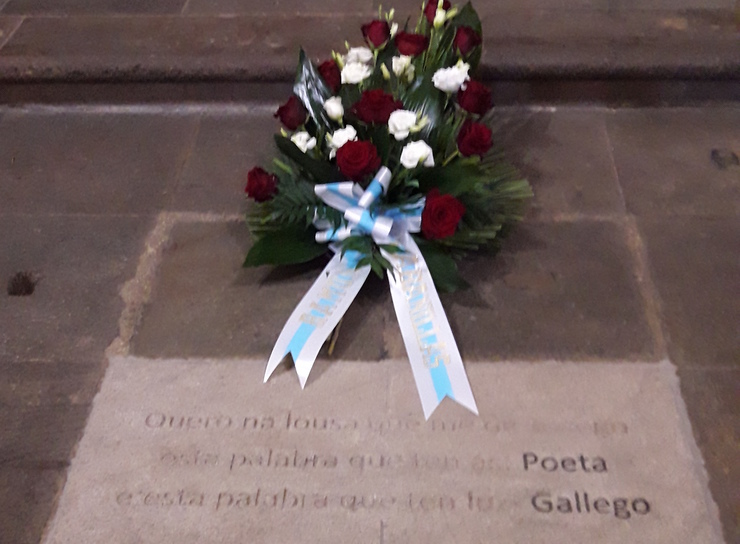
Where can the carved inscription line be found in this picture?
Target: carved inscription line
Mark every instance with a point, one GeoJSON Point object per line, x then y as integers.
{"type": "Point", "coordinates": [262, 499]}
{"type": "Point", "coordinates": [292, 422]}
{"type": "Point", "coordinates": [287, 458]}
{"type": "Point", "coordinates": [275, 459]}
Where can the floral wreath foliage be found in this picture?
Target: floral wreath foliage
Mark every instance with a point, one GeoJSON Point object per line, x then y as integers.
{"type": "Point", "coordinates": [407, 102]}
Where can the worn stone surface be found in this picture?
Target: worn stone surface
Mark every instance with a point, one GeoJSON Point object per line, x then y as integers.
{"type": "Point", "coordinates": [27, 497]}
{"type": "Point", "coordinates": [565, 156]}
{"type": "Point", "coordinates": [43, 409]}
{"type": "Point", "coordinates": [206, 305]}
{"type": "Point", "coordinates": [411, 7]}
{"type": "Point", "coordinates": [627, 43]}
{"type": "Point", "coordinates": [669, 4]}
{"type": "Point", "coordinates": [664, 160]}
{"type": "Point", "coordinates": [232, 40]}
{"type": "Point", "coordinates": [204, 451]}
{"type": "Point", "coordinates": [62, 162]}
{"type": "Point", "coordinates": [80, 264]}
{"type": "Point", "coordinates": [227, 147]}
{"type": "Point", "coordinates": [33, 436]}
{"type": "Point", "coordinates": [142, 93]}
{"type": "Point", "coordinates": [712, 400]}
{"type": "Point", "coordinates": [98, 7]}
{"type": "Point", "coordinates": [49, 383]}
{"type": "Point", "coordinates": [281, 7]}
{"type": "Point", "coordinates": [8, 25]}
{"type": "Point", "coordinates": [696, 273]}
{"type": "Point", "coordinates": [563, 291]}
{"type": "Point", "coordinates": [145, 48]}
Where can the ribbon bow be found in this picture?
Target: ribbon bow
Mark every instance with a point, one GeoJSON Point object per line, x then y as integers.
{"type": "Point", "coordinates": [382, 225]}
{"type": "Point", "coordinates": [435, 360]}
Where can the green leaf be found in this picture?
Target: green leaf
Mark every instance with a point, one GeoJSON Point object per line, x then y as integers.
{"type": "Point", "coordinates": [454, 179]}
{"type": "Point", "coordinates": [361, 244]}
{"type": "Point", "coordinates": [320, 170]}
{"type": "Point", "coordinates": [424, 98]}
{"type": "Point", "coordinates": [442, 267]}
{"type": "Point", "coordinates": [390, 248]}
{"type": "Point", "coordinates": [380, 136]}
{"type": "Point", "coordinates": [467, 16]}
{"type": "Point", "coordinates": [350, 95]}
{"type": "Point", "coordinates": [287, 246]}
{"type": "Point", "coordinates": [312, 91]}
{"type": "Point", "coordinates": [377, 268]}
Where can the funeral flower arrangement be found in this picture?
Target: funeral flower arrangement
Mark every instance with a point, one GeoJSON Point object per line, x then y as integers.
{"type": "Point", "coordinates": [387, 159]}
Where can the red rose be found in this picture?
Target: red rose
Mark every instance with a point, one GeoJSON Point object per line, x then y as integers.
{"type": "Point", "coordinates": [292, 114]}
{"type": "Point", "coordinates": [430, 10]}
{"type": "Point", "coordinates": [356, 159]}
{"type": "Point", "coordinates": [376, 33]}
{"type": "Point", "coordinates": [476, 98]}
{"type": "Point", "coordinates": [375, 106]}
{"type": "Point", "coordinates": [411, 44]}
{"type": "Point", "coordinates": [474, 139]}
{"type": "Point", "coordinates": [441, 215]}
{"type": "Point", "coordinates": [466, 39]}
{"type": "Point", "coordinates": [261, 185]}
{"type": "Point", "coordinates": [331, 74]}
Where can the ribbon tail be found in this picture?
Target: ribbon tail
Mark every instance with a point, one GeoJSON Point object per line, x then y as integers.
{"type": "Point", "coordinates": [435, 359]}
{"type": "Point", "coordinates": [316, 315]}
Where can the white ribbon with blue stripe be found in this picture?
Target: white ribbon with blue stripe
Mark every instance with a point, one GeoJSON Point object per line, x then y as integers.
{"type": "Point", "coordinates": [435, 359]}
{"type": "Point", "coordinates": [317, 314]}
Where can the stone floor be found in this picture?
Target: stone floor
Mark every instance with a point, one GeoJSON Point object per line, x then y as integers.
{"type": "Point", "coordinates": [127, 219]}
{"type": "Point", "coordinates": [248, 40]}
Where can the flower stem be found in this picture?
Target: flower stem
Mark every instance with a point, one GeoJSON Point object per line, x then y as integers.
{"type": "Point", "coordinates": [449, 159]}
{"type": "Point", "coordinates": [334, 337]}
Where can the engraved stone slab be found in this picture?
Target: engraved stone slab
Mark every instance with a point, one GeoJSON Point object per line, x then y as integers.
{"type": "Point", "coordinates": [201, 451]}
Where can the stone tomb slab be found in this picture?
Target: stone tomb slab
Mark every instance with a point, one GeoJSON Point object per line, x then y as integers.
{"type": "Point", "coordinates": [201, 451]}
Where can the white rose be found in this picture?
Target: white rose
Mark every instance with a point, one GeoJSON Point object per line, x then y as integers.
{"type": "Point", "coordinates": [303, 140]}
{"type": "Point", "coordinates": [400, 123]}
{"type": "Point", "coordinates": [354, 72]}
{"type": "Point", "coordinates": [402, 66]}
{"type": "Point", "coordinates": [334, 108]}
{"type": "Point", "coordinates": [416, 153]}
{"type": "Point", "coordinates": [359, 54]}
{"type": "Point", "coordinates": [339, 138]}
{"type": "Point", "coordinates": [451, 79]}
{"type": "Point", "coordinates": [440, 16]}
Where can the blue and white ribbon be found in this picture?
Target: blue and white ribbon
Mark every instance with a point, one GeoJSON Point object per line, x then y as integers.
{"type": "Point", "coordinates": [435, 359]}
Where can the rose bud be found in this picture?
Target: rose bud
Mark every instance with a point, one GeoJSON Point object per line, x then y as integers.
{"type": "Point", "coordinates": [333, 108]}
{"type": "Point", "coordinates": [375, 106]}
{"type": "Point", "coordinates": [292, 114]}
{"type": "Point", "coordinates": [376, 33]}
{"type": "Point", "coordinates": [357, 159]}
{"type": "Point", "coordinates": [411, 44]}
{"type": "Point", "coordinates": [430, 9]}
{"type": "Point", "coordinates": [331, 74]}
{"type": "Point", "coordinates": [474, 139]}
{"type": "Point", "coordinates": [466, 39]}
{"type": "Point", "coordinates": [441, 215]}
{"type": "Point", "coordinates": [475, 98]}
{"type": "Point", "coordinates": [261, 185]}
